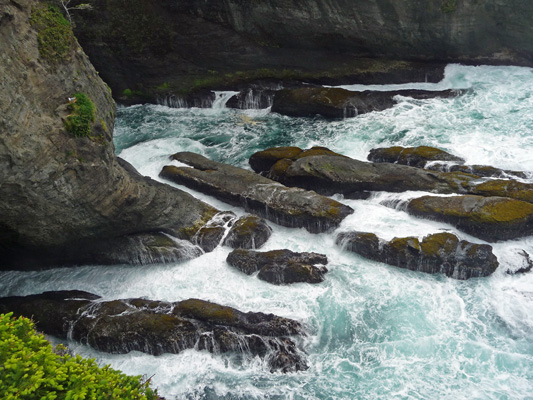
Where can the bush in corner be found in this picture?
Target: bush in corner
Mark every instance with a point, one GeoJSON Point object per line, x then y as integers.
{"type": "Point", "coordinates": [80, 120]}
{"type": "Point", "coordinates": [30, 369]}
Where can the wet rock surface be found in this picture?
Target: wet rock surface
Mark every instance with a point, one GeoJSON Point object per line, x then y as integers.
{"type": "Point", "coordinates": [157, 327]}
{"type": "Point", "coordinates": [436, 253]}
{"type": "Point", "coordinates": [280, 266]}
{"type": "Point", "coordinates": [330, 174]}
{"type": "Point", "coordinates": [412, 156]}
{"type": "Point", "coordinates": [488, 218]}
{"type": "Point", "coordinates": [248, 232]}
{"type": "Point", "coordinates": [290, 207]}
{"type": "Point", "coordinates": [337, 103]}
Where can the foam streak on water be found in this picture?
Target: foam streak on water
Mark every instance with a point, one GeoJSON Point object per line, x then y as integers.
{"type": "Point", "coordinates": [375, 331]}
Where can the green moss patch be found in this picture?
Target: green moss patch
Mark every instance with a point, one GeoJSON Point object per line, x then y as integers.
{"type": "Point", "coordinates": [54, 33]}
{"type": "Point", "coordinates": [79, 122]}
{"type": "Point", "coordinates": [31, 369]}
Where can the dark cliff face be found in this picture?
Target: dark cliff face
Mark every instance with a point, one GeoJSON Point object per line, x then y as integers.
{"type": "Point", "coordinates": [182, 45]}
{"type": "Point", "coordinates": [60, 193]}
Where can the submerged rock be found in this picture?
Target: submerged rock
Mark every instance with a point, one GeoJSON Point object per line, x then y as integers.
{"type": "Point", "coordinates": [412, 156]}
{"type": "Point", "coordinates": [525, 267]}
{"type": "Point", "coordinates": [280, 266]}
{"type": "Point", "coordinates": [286, 206]}
{"type": "Point", "coordinates": [488, 218]}
{"type": "Point", "coordinates": [341, 103]}
{"type": "Point", "coordinates": [436, 253]}
{"type": "Point", "coordinates": [157, 327]}
{"type": "Point", "coordinates": [249, 232]}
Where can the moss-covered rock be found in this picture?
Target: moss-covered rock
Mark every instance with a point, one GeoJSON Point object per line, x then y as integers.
{"type": "Point", "coordinates": [280, 266]}
{"type": "Point", "coordinates": [488, 218]}
{"type": "Point", "coordinates": [157, 327]}
{"type": "Point", "coordinates": [286, 206]}
{"type": "Point", "coordinates": [413, 156]}
{"type": "Point", "coordinates": [249, 232]}
{"type": "Point", "coordinates": [505, 188]}
{"type": "Point", "coordinates": [436, 253]}
{"type": "Point", "coordinates": [262, 161]}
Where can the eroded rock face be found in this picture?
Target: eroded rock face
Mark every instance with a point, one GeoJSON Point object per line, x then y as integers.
{"type": "Point", "coordinates": [286, 206]}
{"type": "Point", "coordinates": [488, 218]}
{"type": "Point", "coordinates": [141, 45]}
{"type": "Point", "coordinates": [60, 192]}
{"type": "Point", "coordinates": [337, 103]}
{"type": "Point", "coordinates": [280, 266]}
{"type": "Point", "coordinates": [157, 327]}
{"type": "Point", "coordinates": [437, 253]}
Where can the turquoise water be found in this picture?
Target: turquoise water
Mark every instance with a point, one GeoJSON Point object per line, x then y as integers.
{"type": "Point", "coordinates": [374, 331]}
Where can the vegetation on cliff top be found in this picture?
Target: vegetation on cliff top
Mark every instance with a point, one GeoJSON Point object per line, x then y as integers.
{"type": "Point", "coordinates": [31, 369]}
{"type": "Point", "coordinates": [54, 33]}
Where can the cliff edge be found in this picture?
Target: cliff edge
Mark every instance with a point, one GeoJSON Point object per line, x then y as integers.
{"type": "Point", "coordinates": [62, 196]}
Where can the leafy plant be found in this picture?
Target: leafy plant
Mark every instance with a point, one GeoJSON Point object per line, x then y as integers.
{"type": "Point", "coordinates": [449, 6]}
{"type": "Point", "coordinates": [83, 112]}
{"type": "Point", "coordinates": [31, 369]}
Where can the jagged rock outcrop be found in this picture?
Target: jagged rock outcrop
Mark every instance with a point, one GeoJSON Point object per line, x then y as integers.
{"type": "Point", "coordinates": [62, 194]}
{"type": "Point", "coordinates": [280, 266]}
{"type": "Point", "coordinates": [283, 205]}
{"type": "Point", "coordinates": [436, 253]}
{"type": "Point", "coordinates": [157, 327]}
{"type": "Point", "coordinates": [488, 218]}
{"type": "Point", "coordinates": [337, 103]}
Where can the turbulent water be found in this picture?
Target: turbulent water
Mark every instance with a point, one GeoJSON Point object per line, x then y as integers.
{"type": "Point", "coordinates": [374, 331]}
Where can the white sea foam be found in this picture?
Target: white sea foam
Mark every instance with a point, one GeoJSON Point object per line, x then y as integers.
{"type": "Point", "coordinates": [375, 331]}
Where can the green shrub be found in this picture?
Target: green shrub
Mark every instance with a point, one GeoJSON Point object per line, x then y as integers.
{"type": "Point", "coordinates": [30, 369]}
{"type": "Point", "coordinates": [54, 33]}
{"type": "Point", "coordinates": [79, 122]}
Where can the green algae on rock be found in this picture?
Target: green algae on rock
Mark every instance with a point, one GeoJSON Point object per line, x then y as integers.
{"type": "Point", "coordinates": [437, 253]}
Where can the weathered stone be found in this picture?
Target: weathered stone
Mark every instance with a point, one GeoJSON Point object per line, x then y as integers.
{"type": "Point", "coordinates": [210, 235]}
{"type": "Point", "coordinates": [330, 174]}
{"type": "Point", "coordinates": [286, 206]}
{"type": "Point", "coordinates": [436, 253]}
{"type": "Point", "coordinates": [63, 194]}
{"type": "Point", "coordinates": [157, 327]}
{"type": "Point", "coordinates": [412, 156]}
{"type": "Point", "coordinates": [341, 103]}
{"type": "Point", "coordinates": [479, 170]}
{"type": "Point", "coordinates": [488, 218]}
{"type": "Point", "coordinates": [262, 161]}
{"type": "Point", "coordinates": [249, 232]}
{"type": "Point", "coordinates": [280, 266]}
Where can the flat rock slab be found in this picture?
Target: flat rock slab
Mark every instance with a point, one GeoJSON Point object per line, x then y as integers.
{"type": "Point", "coordinates": [437, 253]}
{"type": "Point", "coordinates": [488, 218]}
{"type": "Point", "coordinates": [337, 103]}
{"type": "Point", "coordinates": [157, 327]}
{"type": "Point", "coordinates": [330, 174]}
{"type": "Point", "coordinates": [290, 207]}
{"type": "Point", "coordinates": [280, 266]}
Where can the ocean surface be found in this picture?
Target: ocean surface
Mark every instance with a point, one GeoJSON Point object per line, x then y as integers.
{"type": "Point", "coordinates": [373, 331]}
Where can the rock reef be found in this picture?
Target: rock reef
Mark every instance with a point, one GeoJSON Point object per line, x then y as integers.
{"type": "Point", "coordinates": [437, 253]}
{"type": "Point", "coordinates": [156, 327]}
